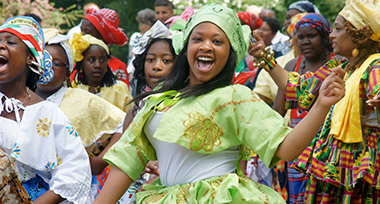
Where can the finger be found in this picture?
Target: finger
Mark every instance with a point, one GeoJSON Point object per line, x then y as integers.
{"type": "Point", "coordinates": [256, 36]}
{"type": "Point", "coordinates": [339, 71]}
{"type": "Point", "coordinates": [335, 89]}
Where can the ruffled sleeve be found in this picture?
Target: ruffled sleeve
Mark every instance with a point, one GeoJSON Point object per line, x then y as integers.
{"type": "Point", "coordinates": [258, 126]}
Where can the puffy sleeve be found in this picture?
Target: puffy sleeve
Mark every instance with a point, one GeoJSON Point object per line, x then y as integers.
{"type": "Point", "coordinates": [302, 90]}
{"type": "Point", "coordinates": [133, 150]}
{"type": "Point", "coordinates": [258, 126]}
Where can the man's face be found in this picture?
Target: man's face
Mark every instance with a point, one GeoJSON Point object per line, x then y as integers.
{"type": "Point", "coordinates": [163, 13]}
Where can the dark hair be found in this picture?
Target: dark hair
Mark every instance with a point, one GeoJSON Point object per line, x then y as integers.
{"type": "Point", "coordinates": [273, 24]}
{"type": "Point", "coordinates": [139, 62]}
{"type": "Point", "coordinates": [32, 77]}
{"type": "Point", "coordinates": [362, 40]}
{"type": "Point", "coordinates": [177, 79]}
{"type": "Point", "coordinates": [164, 3]}
{"type": "Point", "coordinates": [35, 17]}
{"type": "Point", "coordinates": [80, 77]}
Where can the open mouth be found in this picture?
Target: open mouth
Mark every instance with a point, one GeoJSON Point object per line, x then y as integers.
{"type": "Point", "coordinates": [3, 63]}
{"type": "Point", "coordinates": [205, 63]}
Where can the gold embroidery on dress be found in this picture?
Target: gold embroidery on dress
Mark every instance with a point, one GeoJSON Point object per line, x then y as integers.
{"type": "Point", "coordinates": [184, 194]}
{"type": "Point", "coordinates": [43, 127]}
{"type": "Point", "coordinates": [140, 156]}
{"type": "Point", "coordinates": [155, 197]}
{"type": "Point", "coordinates": [203, 133]}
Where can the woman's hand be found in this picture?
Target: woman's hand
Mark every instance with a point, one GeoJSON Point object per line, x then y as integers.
{"type": "Point", "coordinates": [374, 102]}
{"type": "Point", "coordinates": [152, 168]}
{"type": "Point", "coordinates": [257, 47]}
{"type": "Point", "coordinates": [333, 88]}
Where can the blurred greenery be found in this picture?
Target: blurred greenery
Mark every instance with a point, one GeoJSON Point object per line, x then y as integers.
{"type": "Point", "coordinates": [69, 12]}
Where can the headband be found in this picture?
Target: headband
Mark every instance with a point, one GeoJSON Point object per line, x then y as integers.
{"type": "Point", "coordinates": [81, 43]}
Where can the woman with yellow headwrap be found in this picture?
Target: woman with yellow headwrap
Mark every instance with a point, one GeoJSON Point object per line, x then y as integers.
{"type": "Point", "coordinates": [343, 159]}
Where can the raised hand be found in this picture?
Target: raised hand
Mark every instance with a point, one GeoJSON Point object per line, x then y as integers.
{"type": "Point", "coordinates": [375, 101]}
{"type": "Point", "coordinates": [333, 88]}
{"type": "Point", "coordinates": [257, 46]}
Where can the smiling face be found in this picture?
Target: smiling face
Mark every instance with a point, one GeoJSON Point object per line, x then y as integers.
{"type": "Point", "coordinates": [341, 40]}
{"type": "Point", "coordinates": [207, 53]}
{"type": "Point", "coordinates": [310, 42]}
{"type": "Point", "coordinates": [88, 28]}
{"type": "Point", "coordinates": [60, 68]}
{"type": "Point", "coordinates": [158, 62]}
{"type": "Point", "coordinates": [94, 65]}
{"type": "Point", "coordinates": [13, 58]}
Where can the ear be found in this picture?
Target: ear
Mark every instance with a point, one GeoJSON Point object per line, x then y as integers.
{"type": "Point", "coordinates": [29, 58]}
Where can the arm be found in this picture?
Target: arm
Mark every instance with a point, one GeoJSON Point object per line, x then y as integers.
{"type": "Point", "coordinates": [278, 74]}
{"type": "Point", "coordinates": [116, 185]}
{"type": "Point", "coordinates": [97, 163]}
{"type": "Point", "coordinates": [48, 197]}
{"type": "Point", "coordinates": [279, 103]}
{"type": "Point", "coordinates": [331, 92]}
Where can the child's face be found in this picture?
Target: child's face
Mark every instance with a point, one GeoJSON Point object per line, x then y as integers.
{"type": "Point", "coordinates": [13, 58]}
{"type": "Point", "coordinates": [158, 62]}
{"type": "Point", "coordinates": [163, 13]}
{"type": "Point", "coordinates": [94, 65]}
{"type": "Point", "coordinates": [87, 28]}
{"type": "Point", "coordinates": [207, 52]}
{"type": "Point", "coordinates": [60, 68]}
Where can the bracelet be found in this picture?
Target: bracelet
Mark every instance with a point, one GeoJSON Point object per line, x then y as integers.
{"type": "Point", "coordinates": [266, 60]}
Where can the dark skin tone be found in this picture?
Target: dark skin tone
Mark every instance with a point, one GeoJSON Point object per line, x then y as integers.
{"type": "Point", "coordinates": [13, 78]}
{"type": "Point", "coordinates": [314, 51]}
{"type": "Point", "coordinates": [60, 74]}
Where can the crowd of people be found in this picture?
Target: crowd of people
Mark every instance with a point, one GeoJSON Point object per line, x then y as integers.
{"type": "Point", "coordinates": [210, 106]}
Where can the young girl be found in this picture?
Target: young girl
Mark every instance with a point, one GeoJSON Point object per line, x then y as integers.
{"type": "Point", "coordinates": [196, 123]}
{"type": "Point", "coordinates": [342, 161]}
{"type": "Point", "coordinates": [153, 61]}
{"type": "Point", "coordinates": [98, 122]}
{"type": "Point", "coordinates": [49, 156]}
{"type": "Point", "coordinates": [93, 73]}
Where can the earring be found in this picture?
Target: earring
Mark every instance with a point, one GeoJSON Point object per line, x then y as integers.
{"type": "Point", "coordinates": [355, 52]}
{"type": "Point", "coordinates": [35, 70]}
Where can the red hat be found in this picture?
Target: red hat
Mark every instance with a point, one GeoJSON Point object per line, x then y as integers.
{"type": "Point", "coordinates": [250, 19]}
{"type": "Point", "coordinates": [107, 23]}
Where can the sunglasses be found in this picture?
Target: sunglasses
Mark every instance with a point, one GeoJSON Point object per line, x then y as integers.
{"type": "Point", "coordinates": [59, 64]}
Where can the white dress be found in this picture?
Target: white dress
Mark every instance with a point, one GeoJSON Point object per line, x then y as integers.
{"type": "Point", "coordinates": [44, 143]}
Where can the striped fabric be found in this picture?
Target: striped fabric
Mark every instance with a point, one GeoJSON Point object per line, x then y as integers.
{"type": "Point", "coordinates": [345, 172]}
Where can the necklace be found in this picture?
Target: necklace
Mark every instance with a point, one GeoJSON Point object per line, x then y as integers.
{"type": "Point", "coordinates": [27, 91]}
{"type": "Point", "coordinates": [302, 67]}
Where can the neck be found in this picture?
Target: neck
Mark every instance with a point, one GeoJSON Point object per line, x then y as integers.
{"type": "Point", "coordinates": [45, 94]}
{"type": "Point", "coordinates": [17, 90]}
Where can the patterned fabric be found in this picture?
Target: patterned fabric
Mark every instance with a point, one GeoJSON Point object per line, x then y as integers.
{"type": "Point", "coordinates": [158, 30]}
{"type": "Point", "coordinates": [293, 21]}
{"type": "Point", "coordinates": [304, 6]}
{"type": "Point", "coordinates": [81, 43]}
{"type": "Point", "coordinates": [318, 22]}
{"type": "Point", "coordinates": [117, 94]}
{"type": "Point", "coordinates": [132, 152]}
{"type": "Point", "coordinates": [280, 179]}
{"type": "Point", "coordinates": [185, 16]}
{"type": "Point", "coordinates": [106, 21]}
{"type": "Point", "coordinates": [29, 31]}
{"type": "Point", "coordinates": [52, 36]}
{"type": "Point", "coordinates": [250, 19]}
{"type": "Point", "coordinates": [11, 189]}
{"type": "Point", "coordinates": [45, 145]}
{"type": "Point", "coordinates": [119, 69]}
{"type": "Point", "coordinates": [338, 169]}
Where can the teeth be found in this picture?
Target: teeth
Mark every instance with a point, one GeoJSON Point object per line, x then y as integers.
{"type": "Point", "coordinates": [205, 58]}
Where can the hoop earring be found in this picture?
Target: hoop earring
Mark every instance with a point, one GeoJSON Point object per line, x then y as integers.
{"type": "Point", "coordinates": [355, 52]}
{"type": "Point", "coordinates": [35, 70]}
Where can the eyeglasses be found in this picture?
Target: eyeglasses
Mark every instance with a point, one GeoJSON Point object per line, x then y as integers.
{"type": "Point", "coordinates": [59, 64]}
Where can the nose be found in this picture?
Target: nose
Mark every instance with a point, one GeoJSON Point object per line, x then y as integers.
{"type": "Point", "coordinates": [97, 63]}
{"type": "Point", "coordinates": [157, 66]}
{"type": "Point", "coordinates": [206, 46]}
{"type": "Point", "coordinates": [332, 34]}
